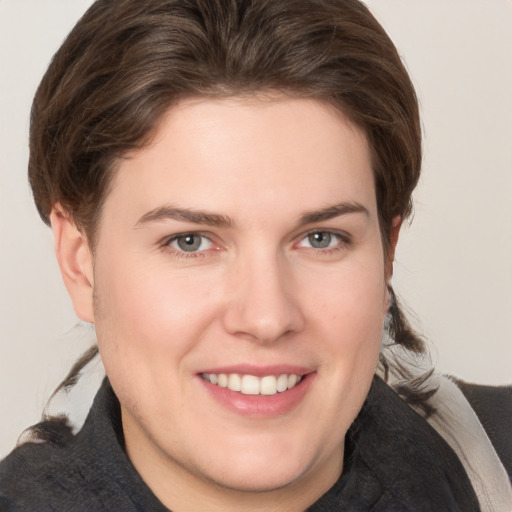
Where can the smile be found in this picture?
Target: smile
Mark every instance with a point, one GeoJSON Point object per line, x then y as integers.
{"type": "Point", "coordinates": [252, 385]}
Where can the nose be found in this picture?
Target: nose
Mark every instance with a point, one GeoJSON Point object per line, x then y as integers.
{"type": "Point", "coordinates": [263, 304]}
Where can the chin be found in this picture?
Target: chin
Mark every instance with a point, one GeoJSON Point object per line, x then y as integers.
{"type": "Point", "coordinates": [259, 470]}
{"type": "Point", "coordinates": [259, 480]}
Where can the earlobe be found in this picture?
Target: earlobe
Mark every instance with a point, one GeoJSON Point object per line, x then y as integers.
{"type": "Point", "coordinates": [75, 262]}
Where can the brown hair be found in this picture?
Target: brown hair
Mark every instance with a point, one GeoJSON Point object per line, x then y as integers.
{"type": "Point", "coordinates": [127, 61]}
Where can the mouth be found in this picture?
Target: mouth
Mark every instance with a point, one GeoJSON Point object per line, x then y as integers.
{"type": "Point", "coordinates": [258, 392]}
{"type": "Point", "coordinates": [267, 385]}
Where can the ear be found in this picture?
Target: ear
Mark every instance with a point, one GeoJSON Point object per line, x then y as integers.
{"type": "Point", "coordinates": [75, 262]}
{"type": "Point", "coordinates": [396, 224]}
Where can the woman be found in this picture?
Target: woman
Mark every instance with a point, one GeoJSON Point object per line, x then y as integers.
{"type": "Point", "coordinates": [226, 183]}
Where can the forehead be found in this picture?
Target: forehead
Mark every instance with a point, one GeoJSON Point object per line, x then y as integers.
{"type": "Point", "coordinates": [249, 151]}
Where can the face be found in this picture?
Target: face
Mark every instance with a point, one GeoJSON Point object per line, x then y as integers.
{"type": "Point", "coordinates": [239, 295]}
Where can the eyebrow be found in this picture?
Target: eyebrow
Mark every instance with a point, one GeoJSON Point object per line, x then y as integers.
{"type": "Point", "coordinates": [213, 219]}
{"type": "Point", "coordinates": [332, 212]}
{"type": "Point", "coordinates": [185, 215]}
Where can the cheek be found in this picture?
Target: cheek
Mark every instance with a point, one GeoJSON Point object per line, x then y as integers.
{"type": "Point", "coordinates": [146, 313]}
{"type": "Point", "coordinates": [348, 312]}
{"type": "Point", "coordinates": [352, 298]}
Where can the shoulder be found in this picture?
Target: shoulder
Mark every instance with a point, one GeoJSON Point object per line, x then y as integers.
{"type": "Point", "coordinates": [34, 473]}
{"type": "Point", "coordinates": [493, 406]}
{"type": "Point", "coordinates": [82, 472]}
{"type": "Point", "coordinates": [478, 434]}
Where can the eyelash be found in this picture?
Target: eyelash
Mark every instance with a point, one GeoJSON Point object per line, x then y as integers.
{"type": "Point", "coordinates": [344, 240]}
{"type": "Point", "coordinates": [166, 244]}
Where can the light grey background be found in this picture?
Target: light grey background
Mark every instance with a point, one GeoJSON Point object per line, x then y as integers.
{"type": "Point", "coordinates": [454, 264]}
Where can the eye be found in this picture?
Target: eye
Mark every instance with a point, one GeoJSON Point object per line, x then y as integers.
{"type": "Point", "coordinates": [190, 242]}
{"type": "Point", "coordinates": [321, 240]}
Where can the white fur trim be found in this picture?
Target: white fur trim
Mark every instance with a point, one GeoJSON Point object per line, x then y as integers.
{"type": "Point", "coordinates": [456, 421]}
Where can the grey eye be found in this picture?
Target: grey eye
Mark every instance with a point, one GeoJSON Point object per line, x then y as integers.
{"type": "Point", "coordinates": [320, 239]}
{"type": "Point", "coordinates": [189, 243]}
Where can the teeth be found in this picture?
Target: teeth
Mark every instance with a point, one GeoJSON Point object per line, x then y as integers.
{"type": "Point", "coordinates": [282, 383]}
{"type": "Point", "coordinates": [268, 385]}
{"type": "Point", "coordinates": [292, 380]}
{"type": "Point", "coordinates": [252, 385]}
{"type": "Point", "coordinates": [234, 382]}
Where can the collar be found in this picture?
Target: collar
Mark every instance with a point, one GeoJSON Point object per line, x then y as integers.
{"type": "Point", "coordinates": [394, 460]}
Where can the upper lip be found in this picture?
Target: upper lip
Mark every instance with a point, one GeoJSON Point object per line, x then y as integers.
{"type": "Point", "coordinates": [259, 371]}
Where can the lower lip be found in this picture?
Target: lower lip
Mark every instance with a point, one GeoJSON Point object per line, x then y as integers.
{"type": "Point", "coordinates": [260, 406]}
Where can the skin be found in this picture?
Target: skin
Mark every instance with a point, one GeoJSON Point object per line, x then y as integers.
{"type": "Point", "coordinates": [255, 292]}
